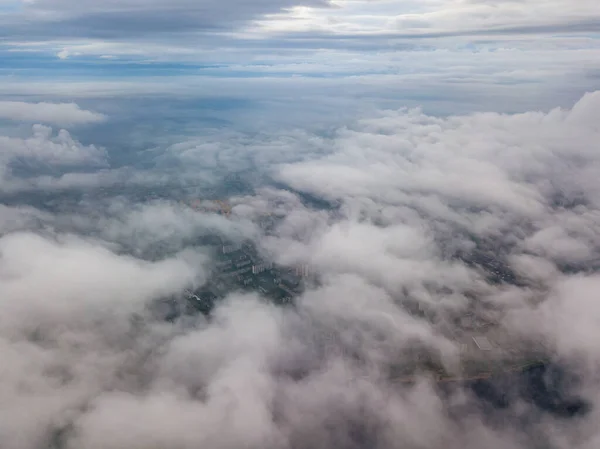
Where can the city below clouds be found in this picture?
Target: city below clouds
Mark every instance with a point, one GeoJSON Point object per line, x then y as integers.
{"type": "Point", "coordinates": [280, 224]}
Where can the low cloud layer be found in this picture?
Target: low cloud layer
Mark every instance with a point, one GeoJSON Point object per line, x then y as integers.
{"type": "Point", "coordinates": [487, 212]}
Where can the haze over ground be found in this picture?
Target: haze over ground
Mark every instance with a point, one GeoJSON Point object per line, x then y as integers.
{"type": "Point", "coordinates": [442, 153]}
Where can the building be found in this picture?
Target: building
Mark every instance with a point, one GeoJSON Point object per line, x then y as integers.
{"type": "Point", "coordinates": [482, 343]}
{"type": "Point", "coordinates": [224, 265]}
{"type": "Point", "coordinates": [259, 268]}
{"type": "Point", "coordinates": [290, 280]}
{"type": "Point", "coordinates": [228, 249]}
{"type": "Point", "coordinates": [302, 271]}
{"type": "Point", "coordinates": [243, 263]}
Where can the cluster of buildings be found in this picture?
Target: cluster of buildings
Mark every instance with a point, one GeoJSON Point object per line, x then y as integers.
{"type": "Point", "coordinates": [215, 206]}
{"type": "Point", "coordinates": [239, 267]}
{"type": "Point", "coordinates": [483, 343]}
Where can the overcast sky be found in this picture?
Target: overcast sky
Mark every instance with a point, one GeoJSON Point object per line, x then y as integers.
{"type": "Point", "coordinates": [326, 57]}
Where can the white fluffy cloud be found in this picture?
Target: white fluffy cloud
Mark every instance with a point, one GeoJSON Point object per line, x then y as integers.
{"type": "Point", "coordinates": [78, 298]}
{"type": "Point", "coordinates": [484, 172]}
{"type": "Point", "coordinates": [61, 114]}
{"type": "Point", "coordinates": [42, 150]}
{"type": "Point", "coordinates": [44, 147]}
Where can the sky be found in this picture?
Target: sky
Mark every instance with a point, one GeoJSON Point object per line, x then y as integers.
{"type": "Point", "coordinates": [283, 62]}
{"type": "Point", "coordinates": [455, 142]}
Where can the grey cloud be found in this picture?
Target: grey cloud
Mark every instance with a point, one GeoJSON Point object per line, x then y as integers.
{"type": "Point", "coordinates": [591, 25]}
{"type": "Point", "coordinates": [60, 19]}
